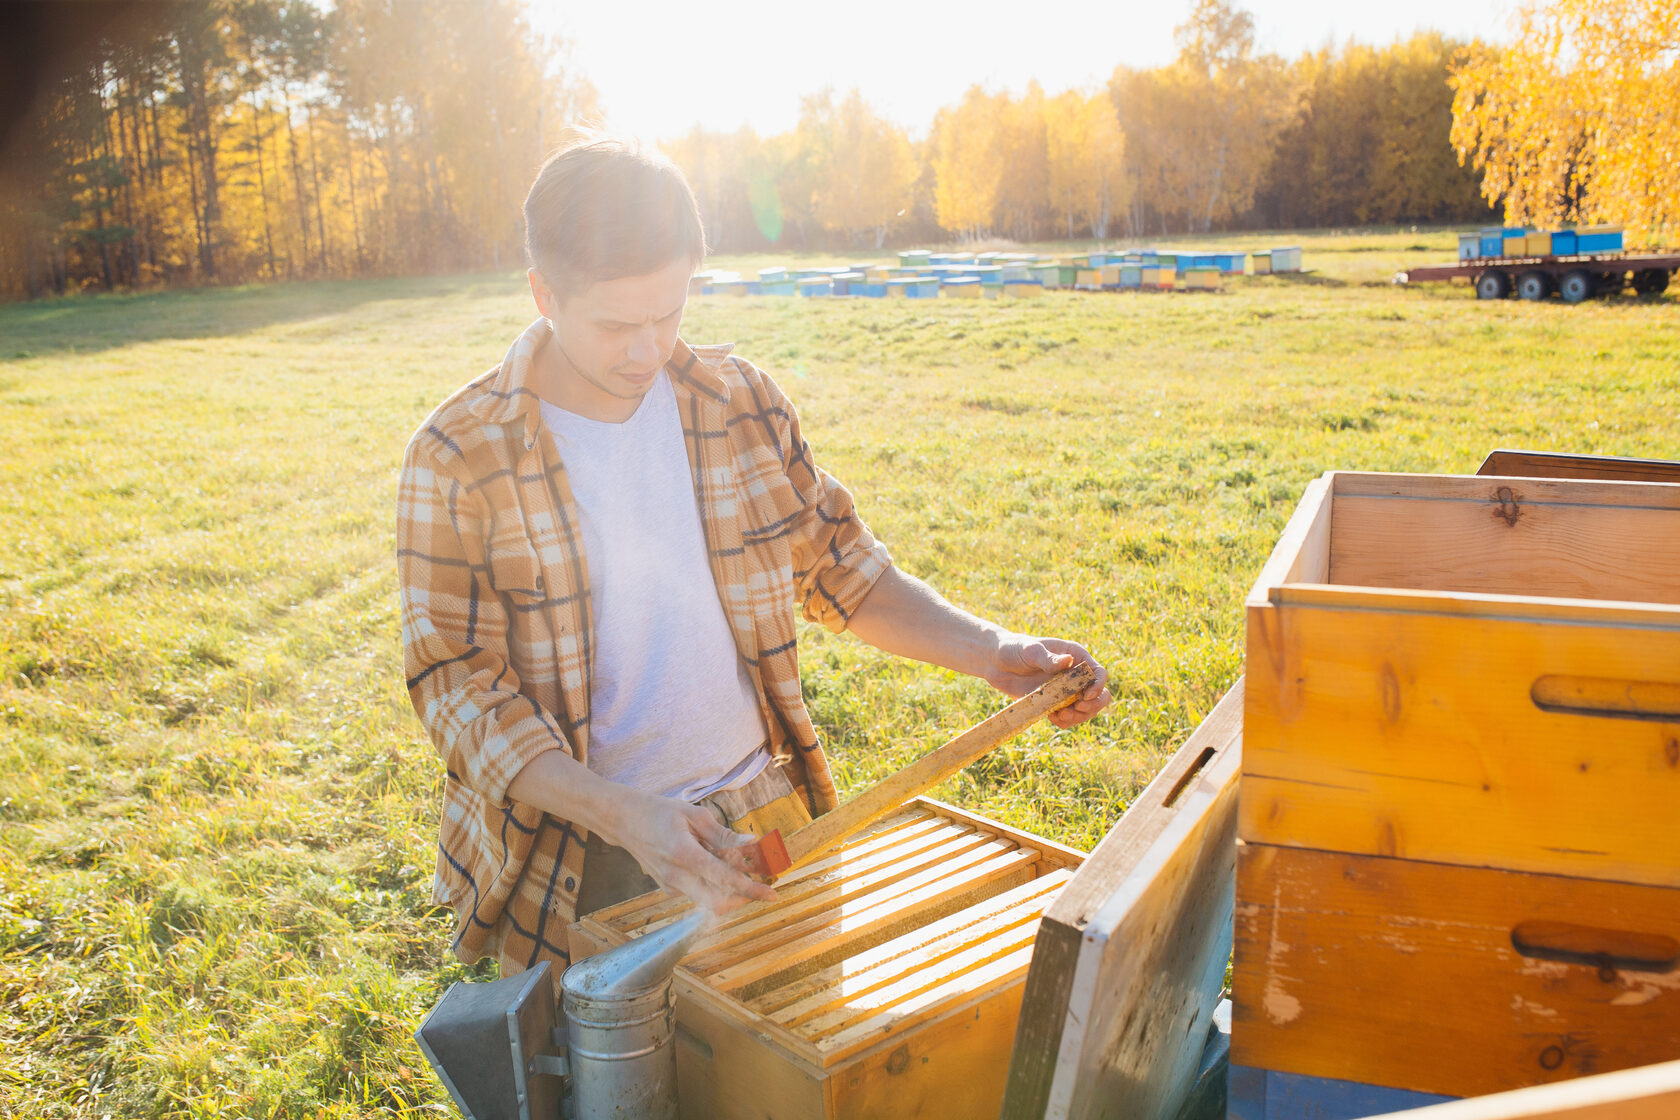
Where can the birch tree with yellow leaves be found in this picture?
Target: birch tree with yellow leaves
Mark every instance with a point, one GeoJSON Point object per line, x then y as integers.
{"type": "Point", "coordinates": [1578, 118]}
{"type": "Point", "coordinates": [1084, 150]}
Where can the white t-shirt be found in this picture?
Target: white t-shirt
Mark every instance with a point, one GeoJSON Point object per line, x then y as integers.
{"type": "Point", "coordinates": [672, 709]}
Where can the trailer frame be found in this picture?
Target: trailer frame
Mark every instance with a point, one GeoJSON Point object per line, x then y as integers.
{"type": "Point", "coordinates": [1574, 278]}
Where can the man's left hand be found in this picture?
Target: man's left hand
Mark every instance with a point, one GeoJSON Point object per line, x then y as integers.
{"type": "Point", "coordinates": [1022, 663]}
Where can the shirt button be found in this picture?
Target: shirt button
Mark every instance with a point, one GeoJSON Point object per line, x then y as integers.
{"type": "Point", "coordinates": [571, 884]}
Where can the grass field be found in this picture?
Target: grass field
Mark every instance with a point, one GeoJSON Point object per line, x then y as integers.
{"type": "Point", "coordinates": [216, 807]}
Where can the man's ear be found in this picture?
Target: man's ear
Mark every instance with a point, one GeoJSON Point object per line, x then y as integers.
{"type": "Point", "coordinates": [547, 305]}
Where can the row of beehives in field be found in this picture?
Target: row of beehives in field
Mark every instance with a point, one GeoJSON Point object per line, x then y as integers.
{"type": "Point", "coordinates": [1508, 243]}
{"type": "Point", "coordinates": [922, 274]}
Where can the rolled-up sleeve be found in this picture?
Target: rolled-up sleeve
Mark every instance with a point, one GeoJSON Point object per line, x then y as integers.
{"type": "Point", "coordinates": [454, 636]}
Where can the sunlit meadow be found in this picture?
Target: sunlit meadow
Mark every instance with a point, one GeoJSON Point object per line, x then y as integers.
{"type": "Point", "coordinates": [216, 807]}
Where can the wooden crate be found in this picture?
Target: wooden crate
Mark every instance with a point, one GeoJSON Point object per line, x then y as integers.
{"type": "Point", "coordinates": [884, 981]}
{"type": "Point", "coordinates": [1462, 690]}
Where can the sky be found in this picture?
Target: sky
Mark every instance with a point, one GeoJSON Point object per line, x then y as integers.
{"type": "Point", "coordinates": [662, 66]}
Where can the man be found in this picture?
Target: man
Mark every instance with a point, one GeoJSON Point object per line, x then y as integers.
{"type": "Point", "coordinates": [600, 542]}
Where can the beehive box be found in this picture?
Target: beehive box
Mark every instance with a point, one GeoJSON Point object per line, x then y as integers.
{"type": "Point", "coordinates": [1460, 871]}
{"type": "Point", "coordinates": [884, 981]}
{"type": "Point", "coordinates": [1599, 239]}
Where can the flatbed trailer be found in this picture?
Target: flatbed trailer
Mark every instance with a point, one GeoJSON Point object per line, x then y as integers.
{"type": "Point", "coordinates": [1574, 278]}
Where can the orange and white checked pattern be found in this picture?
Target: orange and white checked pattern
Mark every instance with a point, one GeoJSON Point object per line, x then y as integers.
{"type": "Point", "coordinates": [496, 624]}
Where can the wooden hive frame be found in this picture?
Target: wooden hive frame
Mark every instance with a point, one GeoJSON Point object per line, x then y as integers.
{"type": "Point", "coordinates": [885, 974]}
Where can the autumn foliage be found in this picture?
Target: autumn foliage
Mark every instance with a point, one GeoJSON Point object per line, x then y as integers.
{"type": "Point", "coordinates": [226, 141]}
{"type": "Point", "coordinates": [1578, 119]}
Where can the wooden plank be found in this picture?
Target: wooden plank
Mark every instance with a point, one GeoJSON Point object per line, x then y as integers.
{"type": "Point", "coordinates": [952, 1065]}
{"type": "Point", "coordinates": [1550, 464]}
{"type": "Point", "coordinates": [1113, 863]}
{"type": "Point", "coordinates": [924, 1005]}
{"type": "Point", "coordinates": [844, 934]}
{"type": "Point", "coordinates": [661, 906]}
{"type": "Point", "coordinates": [768, 937]}
{"type": "Point", "coordinates": [1054, 854]}
{"type": "Point", "coordinates": [1417, 734]}
{"type": "Point", "coordinates": [1536, 537]}
{"type": "Point", "coordinates": [1150, 973]}
{"type": "Point", "coordinates": [1449, 980]}
{"type": "Point", "coordinates": [1646, 1093]}
{"type": "Point", "coordinates": [887, 795]}
{"type": "Point", "coordinates": [728, 1070]}
{"type": "Point", "coordinates": [912, 977]}
{"type": "Point", "coordinates": [847, 888]}
{"type": "Point", "coordinates": [1302, 554]}
{"type": "Point", "coordinates": [859, 975]}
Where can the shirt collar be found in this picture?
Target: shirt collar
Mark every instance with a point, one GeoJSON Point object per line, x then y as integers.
{"type": "Point", "coordinates": [509, 396]}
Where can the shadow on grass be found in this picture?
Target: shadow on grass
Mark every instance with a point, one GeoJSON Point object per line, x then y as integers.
{"type": "Point", "coordinates": [103, 321]}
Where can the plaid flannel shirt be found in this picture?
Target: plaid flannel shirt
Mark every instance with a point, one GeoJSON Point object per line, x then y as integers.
{"type": "Point", "coordinates": [496, 626]}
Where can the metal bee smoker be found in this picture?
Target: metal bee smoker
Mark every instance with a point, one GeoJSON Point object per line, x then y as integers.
{"type": "Point", "coordinates": [501, 1053]}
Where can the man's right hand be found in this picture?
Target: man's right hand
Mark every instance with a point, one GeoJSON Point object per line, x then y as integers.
{"type": "Point", "coordinates": [685, 849]}
{"type": "Point", "coordinates": [682, 846]}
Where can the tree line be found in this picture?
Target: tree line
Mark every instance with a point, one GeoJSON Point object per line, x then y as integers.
{"type": "Point", "coordinates": [219, 141]}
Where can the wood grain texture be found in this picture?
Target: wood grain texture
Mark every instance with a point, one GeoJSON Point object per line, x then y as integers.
{"type": "Point", "coordinates": [899, 993]}
{"type": "Point", "coordinates": [1302, 554]}
{"type": "Point", "coordinates": [887, 795]}
{"type": "Point", "coordinates": [1405, 974]}
{"type": "Point", "coordinates": [1646, 1093]}
{"type": "Point", "coordinates": [1547, 464]}
{"type": "Point", "coordinates": [1407, 725]}
{"type": "Point", "coordinates": [1508, 536]}
{"type": "Point", "coordinates": [1128, 863]}
{"type": "Point", "coordinates": [1153, 964]}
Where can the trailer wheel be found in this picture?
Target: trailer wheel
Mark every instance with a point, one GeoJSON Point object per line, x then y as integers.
{"type": "Point", "coordinates": [1650, 281]}
{"type": "Point", "coordinates": [1493, 284]}
{"type": "Point", "coordinates": [1576, 286]}
{"type": "Point", "coordinates": [1534, 285]}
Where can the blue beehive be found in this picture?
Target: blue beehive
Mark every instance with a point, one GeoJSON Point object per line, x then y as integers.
{"type": "Point", "coordinates": [870, 289]}
{"type": "Point", "coordinates": [815, 286]}
{"type": "Point", "coordinates": [1564, 243]}
{"type": "Point", "coordinates": [843, 282]}
{"type": "Point", "coordinates": [1231, 264]}
{"type": "Point", "coordinates": [773, 275]}
{"type": "Point", "coordinates": [1599, 239]}
{"type": "Point", "coordinates": [776, 287]}
{"type": "Point", "coordinates": [1493, 242]}
{"type": "Point", "coordinates": [1131, 275]}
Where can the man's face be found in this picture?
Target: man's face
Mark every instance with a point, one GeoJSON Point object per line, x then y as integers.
{"type": "Point", "coordinates": [610, 340]}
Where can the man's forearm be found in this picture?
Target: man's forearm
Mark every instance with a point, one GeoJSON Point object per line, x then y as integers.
{"type": "Point", "coordinates": [565, 788]}
{"type": "Point", "coordinates": [904, 616]}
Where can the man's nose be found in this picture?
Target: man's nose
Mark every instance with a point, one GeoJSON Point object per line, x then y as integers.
{"type": "Point", "coordinates": [644, 348]}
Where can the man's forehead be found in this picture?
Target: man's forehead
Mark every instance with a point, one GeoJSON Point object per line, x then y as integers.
{"type": "Point", "coordinates": [633, 299]}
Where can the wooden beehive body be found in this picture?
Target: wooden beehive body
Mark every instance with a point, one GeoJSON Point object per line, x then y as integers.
{"type": "Point", "coordinates": [884, 981]}
{"type": "Point", "coordinates": [1460, 866]}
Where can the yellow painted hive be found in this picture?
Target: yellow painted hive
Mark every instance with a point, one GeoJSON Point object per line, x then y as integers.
{"type": "Point", "coordinates": [1459, 870]}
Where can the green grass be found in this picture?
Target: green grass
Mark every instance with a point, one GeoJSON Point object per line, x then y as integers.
{"type": "Point", "coordinates": [216, 808]}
